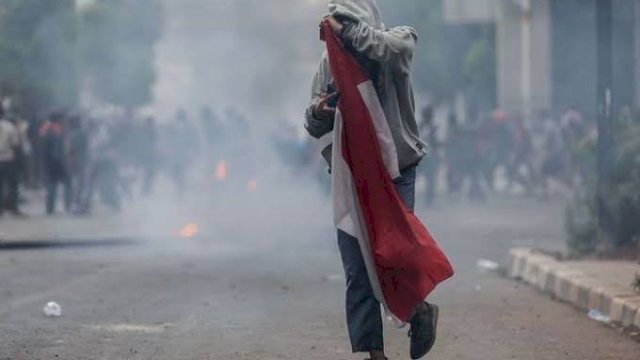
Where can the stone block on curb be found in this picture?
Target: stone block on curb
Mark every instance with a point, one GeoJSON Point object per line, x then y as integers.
{"type": "Point", "coordinates": [588, 284]}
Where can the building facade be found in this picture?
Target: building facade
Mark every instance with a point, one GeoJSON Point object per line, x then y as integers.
{"type": "Point", "coordinates": [547, 55]}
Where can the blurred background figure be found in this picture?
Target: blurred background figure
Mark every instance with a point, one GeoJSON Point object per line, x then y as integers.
{"type": "Point", "coordinates": [431, 166]}
{"type": "Point", "coordinates": [149, 157]}
{"type": "Point", "coordinates": [455, 153]}
{"type": "Point", "coordinates": [9, 165]}
{"type": "Point", "coordinates": [239, 149]}
{"type": "Point", "coordinates": [101, 172]}
{"type": "Point", "coordinates": [55, 161]}
{"type": "Point", "coordinates": [183, 149]}
{"type": "Point", "coordinates": [78, 150]}
{"type": "Point", "coordinates": [212, 129]}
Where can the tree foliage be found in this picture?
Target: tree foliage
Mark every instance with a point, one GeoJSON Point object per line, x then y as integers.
{"type": "Point", "coordinates": [621, 206]}
{"type": "Point", "coordinates": [48, 50]}
{"type": "Point", "coordinates": [450, 59]}
{"type": "Point", "coordinates": [118, 43]}
{"type": "Point", "coordinates": [38, 50]}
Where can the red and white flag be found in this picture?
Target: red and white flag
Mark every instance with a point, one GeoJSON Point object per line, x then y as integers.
{"type": "Point", "coordinates": [403, 261]}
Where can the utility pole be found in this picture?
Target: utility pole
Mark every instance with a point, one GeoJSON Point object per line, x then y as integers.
{"type": "Point", "coordinates": [604, 28]}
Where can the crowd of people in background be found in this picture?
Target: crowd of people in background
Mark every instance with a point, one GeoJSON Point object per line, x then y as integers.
{"type": "Point", "coordinates": [75, 158]}
{"type": "Point", "coordinates": [486, 154]}
{"type": "Point", "coordinates": [498, 151]}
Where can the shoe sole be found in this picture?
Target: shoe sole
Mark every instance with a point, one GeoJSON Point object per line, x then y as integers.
{"type": "Point", "coordinates": [436, 313]}
{"type": "Point", "coordinates": [434, 321]}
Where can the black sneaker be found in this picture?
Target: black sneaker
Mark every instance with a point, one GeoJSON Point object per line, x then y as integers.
{"type": "Point", "coordinates": [423, 331]}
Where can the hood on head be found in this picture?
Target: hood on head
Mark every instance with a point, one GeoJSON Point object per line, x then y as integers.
{"type": "Point", "coordinates": [361, 10]}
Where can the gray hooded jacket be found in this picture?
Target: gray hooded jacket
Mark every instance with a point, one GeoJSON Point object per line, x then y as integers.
{"type": "Point", "coordinates": [393, 50]}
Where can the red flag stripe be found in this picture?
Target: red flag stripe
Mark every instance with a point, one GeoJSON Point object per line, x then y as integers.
{"type": "Point", "coordinates": [408, 262]}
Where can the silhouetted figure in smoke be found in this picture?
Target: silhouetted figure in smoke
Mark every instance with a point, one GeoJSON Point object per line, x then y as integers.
{"type": "Point", "coordinates": [431, 161]}
{"type": "Point", "coordinates": [503, 142]}
{"type": "Point", "coordinates": [214, 140]}
{"type": "Point", "coordinates": [455, 155]}
{"type": "Point", "coordinates": [521, 169]}
{"type": "Point", "coordinates": [472, 165]}
{"type": "Point", "coordinates": [239, 148]}
{"type": "Point", "coordinates": [212, 127]}
{"type": "Point", "coordinates": [149, 154]}
{"type": "Point", "coordinates": [184, 148]}
{"type": "Point", "coordinates": [101, 170]}
{"type": "Point", "coordinates": [293, 151]}
{"type": "Point", "coordinates": [55, 161]}
{"type": "Point", "coordinates": [22, 153]}
{"type": "Point", "coordinates": [78, 143]}
{"type": "Point", "coordinates": [9, 145]}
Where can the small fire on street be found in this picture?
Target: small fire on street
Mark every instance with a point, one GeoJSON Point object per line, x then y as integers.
{"type": "Point", "coordinates": [189, 231]}
{"type": "Point", "coordinates": [252, 186]}
{"type": "Point", "coordinates": [221, 171]}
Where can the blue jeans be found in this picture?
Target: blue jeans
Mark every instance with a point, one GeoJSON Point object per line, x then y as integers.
{"type": "Point", "coordinates": [364, 319]}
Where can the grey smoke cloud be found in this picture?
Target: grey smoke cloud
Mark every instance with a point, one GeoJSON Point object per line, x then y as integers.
{"type": "Point", "coordinates": [255, 55]}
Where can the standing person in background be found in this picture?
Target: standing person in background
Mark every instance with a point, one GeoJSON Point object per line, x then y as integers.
{"type": "Point", "coordinates": [25, 150]}
{"type": "Point", "coordinates": [213, 140]}
{"type": "Point", "coordinates": [472, 167]}
{"type": "Point", "coordinates": [9, 143]}
{"type": "Point", "coordinates": [78, 150]}
{"type": "Point", "coordinates": [20, 162]}
{"type": "Point", "coordinates": [149, 155]}
{"type": "Point", "coordinates": [54, 154]}
{"type": "Point", "coordinates": [455, 155]}
{"type": "Point", "coordinates": [432, 161]}
{"type": "Point", "coordinates": [502, 143]}
{"type": "Point", "coordinates": [522, 158]}
{"type": "Point", "coordinates": [184, 142]}
{"type": "Point", "coordinates": [212, 128]}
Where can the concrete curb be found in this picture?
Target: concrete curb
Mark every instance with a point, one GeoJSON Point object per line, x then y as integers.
{"type": "Point", "coordinates": [566, 282]}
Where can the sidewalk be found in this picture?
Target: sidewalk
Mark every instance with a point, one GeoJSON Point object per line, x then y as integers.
{"type": "Point", "coordinates": [586, 284]}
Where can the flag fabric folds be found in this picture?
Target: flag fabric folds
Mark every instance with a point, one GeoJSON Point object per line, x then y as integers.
{"type": "Point", "coordinates": [403, 260]}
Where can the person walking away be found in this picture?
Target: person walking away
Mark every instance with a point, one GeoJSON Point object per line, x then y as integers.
{"type": "Point", "coordinates": [9, 143]}
{"type": "Point", "coordinates": [386, 57]}
{"type": "Point", "coordinates": [55, 162]}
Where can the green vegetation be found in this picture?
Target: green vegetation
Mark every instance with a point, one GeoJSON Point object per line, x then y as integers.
{"type": "Point", "coordinates": [49, 49]}
{"type": "Point", "coordinates": [118, 40]}
{"type": "Point", "coordinates": [38, 52]}
{"type": "Point", "coordinates": [450, 59]}
{"type": "Point", "coordinates": [621, 204]}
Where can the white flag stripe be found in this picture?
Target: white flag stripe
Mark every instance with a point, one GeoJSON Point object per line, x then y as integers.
{"type": "Point", "coordinates": [346, 208]}
{"type": "Point", "coordinates": [385, 138]}
{"type": "Point", "coordinates": [344, 195]}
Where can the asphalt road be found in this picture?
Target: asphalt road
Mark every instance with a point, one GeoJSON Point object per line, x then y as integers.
{"type": "Point", "coordinates": [263, 280]}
